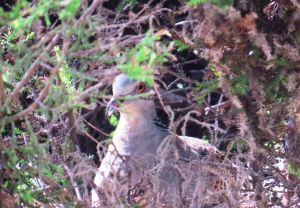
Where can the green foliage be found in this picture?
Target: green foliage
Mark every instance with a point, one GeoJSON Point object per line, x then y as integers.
{"type": "Point", "coordinates": [111, 134]}
{"type": "Point", "coordinates": [17, 130]}
{"type": "Point", "coordinates": [239, 84]}
{"type": "Point", "coordinates": [219, 3]}
{"type": "Point", "coordinates": [206, 88]}
{"type": "Point", "coordinates": [26, 165]}
{"type": "Point", "coordinates": [27, 196]}
{"type": "Point", "coordinates": [213, 69]}
{"type": "Point", "coordinates": [69, 10]}
{"type": "Point", "coordinates": [180, 46]}
{"type": "Point", "coordinates": [65, 73]}
{"type": "Point", "coordinates": [29, 37]}
{"type": "Point", "coordinates": [68, 146]}
{"type": "Point", "coordinates": [281, 62]}
{"type": "Point", "coordinates": [21, 23]}
{"type": "Point", "coordinates": [272, 86]}
{"type": "Point", "coordinates": [113, 120]}
{"type": "Point", "coordinates": [239, 144]}
{"type": "Point", "coordinates": [58, 97]}
{"type": "Point", "coordinates": [293, 170]}
{"type": "Point", "coordinates": [140, 61]}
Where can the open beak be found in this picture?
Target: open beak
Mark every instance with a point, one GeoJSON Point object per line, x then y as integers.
{"type": "Point", "coordinates": [111, 106]}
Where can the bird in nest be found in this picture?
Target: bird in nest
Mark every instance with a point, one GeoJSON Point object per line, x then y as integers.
{"type": "Point", "coordinates": [146, 164]}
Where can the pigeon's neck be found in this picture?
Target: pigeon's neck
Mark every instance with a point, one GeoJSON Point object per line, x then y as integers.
{"type": "Point", "coordinates": [139, 133]}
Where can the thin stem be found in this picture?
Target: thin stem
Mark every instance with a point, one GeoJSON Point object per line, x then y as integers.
{"type": "Point", "coordinates": [31, 69]}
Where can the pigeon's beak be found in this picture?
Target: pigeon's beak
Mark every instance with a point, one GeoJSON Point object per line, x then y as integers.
{"type": "Point", "coordinates": [111, 106]}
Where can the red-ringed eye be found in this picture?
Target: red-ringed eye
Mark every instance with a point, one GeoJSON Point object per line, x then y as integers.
{"type": "Point", "coordinates": [141, 87]}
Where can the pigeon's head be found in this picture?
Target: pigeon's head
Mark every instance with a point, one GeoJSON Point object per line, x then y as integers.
{"type": "Point", "coordinates": [129, 95]}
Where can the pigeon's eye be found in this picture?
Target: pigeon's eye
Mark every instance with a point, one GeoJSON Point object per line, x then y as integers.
{"type": "Point", "coordinates": [140, 87]}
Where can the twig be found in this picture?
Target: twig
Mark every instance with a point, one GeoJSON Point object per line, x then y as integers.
{"type": "Point", "coordinates": [31, 69]}
{"type": "Point", "coordinates": [176, 90]}
{"type": "Point", "coordinates": [27, 75]}
{"type": "Point", "coordinates": [119, 13]}
{"type": "Point", "coordinates": [184, 22]}
{"type": "Point", "coordinates": [46, 66]}
{"type": "Point", "coordinates": [162, 82]}
{"type": "Point", "coordinates": [69, 172]}
{"type": "Point", "coordinates": [75, 185]}
{"type": "Point", "coordinates": [136, 16]}
{"type": "Point", "coordinates": [216, 118]}
{"type": "Point", "coordinates": [186, 41]}
{"type": "Point", "coordinates": [2, 94]}
{"type": "Point", "coordinates": [1, 99]}
{"type": "Point", "coordinates": [102, 83]}
{"type": "Point", "coordinates": [118, 154]}
{"type": "Point", "coordinates": [188, 62]}
{"type": "Point", "coordinates": [92, 50]}
{"type": "Point", "coordinates": [166, 109]}
{"type": "Point", "coordinates": [87, 12]}
{"type": "Point", "coordinates": [186, 108]}
{"type": "Point", "coordinates": [91, 125]}
{"type": "Point", "coordinates": [28, 110]}
{"type": "Point", "coordinates": [296, 3]}
{"type": "Point", "coordinates": [170, 85]}
{"type": "Point", "coordinates": [179, 76]}
{"type": "Point", "coordinates": [207, 125]}
{"type": "Point", "coordinates": [29, 157]}
{"type": "Point", "coordinates": [73, 134]}
{"type": "Point", "coordinates": [90, 136]}
{"type": "Point", "coordinates": [212, 108]}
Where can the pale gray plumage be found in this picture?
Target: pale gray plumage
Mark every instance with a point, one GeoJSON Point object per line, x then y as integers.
{"type": "Point", "coordinates": [138, 134]}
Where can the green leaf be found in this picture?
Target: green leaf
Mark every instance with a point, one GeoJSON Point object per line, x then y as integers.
{"type": "Point", "coordinates": [15, 12]}
{"type": "Point", "coordinates": [27, 197]}
{"type": "Point", "coordinates": [293, 170]}
{"type": "Point", "coordinates": [18, 131]}
{"type": "Point", "coordinates": [69, 10]}
{"type": "Point", "coordinates": [239, 84]}
{"type": "Point", "coordinates": [206, 88]}
{"type": "Point", "coordinates": [72, 6]}
{"type": "Point", "coordinates": [113, 120]}
{"type": "Point", "coordinates": [180, 46]}
{"type": "Point", "coordinates": [219, 3]}
{"type": "Point", "coordinates": [139, 62]}
{"type": "Point", "coordinates": [5, 184]}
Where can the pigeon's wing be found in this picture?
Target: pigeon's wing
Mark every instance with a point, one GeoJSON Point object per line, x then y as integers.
{"type": "Point", "coordinates": [199, 145]}
{"type": "Point", "coordinates": [206, 150]}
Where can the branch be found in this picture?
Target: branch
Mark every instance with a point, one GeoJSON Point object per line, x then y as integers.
{"type": "Point", "coordinates": [87, 12]}
{"type": "Point", "coordinates": [91, 125]}
{"type": "Point", "coordinates": [26, 77]}
{"type": "Point", "coordinates": [180, 77]}
{"type": "Point", "coordinates": [28, 110]}
{"type": "Point", "coordinates": [73, 134]}
{"type": "Point", "coordinates": [1, 99]}
{"type": "Point", "coordinates": [1, 91]}
{"type": "Point", "coordinates": [74, 183]}
{"type": "Point", "coordinates": [31, 69]}
{"type": "Point", "coordinates": [136, 16]}
{"type": "Point", "coordinates": [89, 136]}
